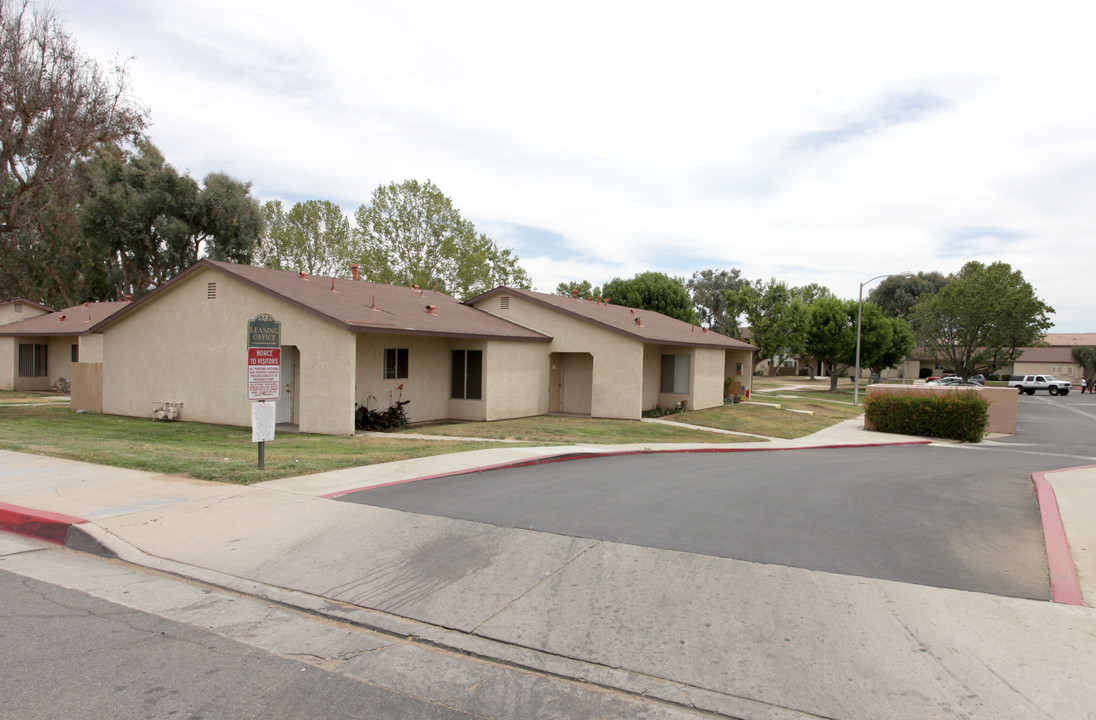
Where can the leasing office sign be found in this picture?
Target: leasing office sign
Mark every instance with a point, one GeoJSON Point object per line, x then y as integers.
{"type": "Point", "coordinates": [264, 358]}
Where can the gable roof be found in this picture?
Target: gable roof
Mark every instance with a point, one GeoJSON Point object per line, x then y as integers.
{"type": "Point", "coordinates": [24, 301]}
{"type": "Point", "coordinates": [358, 306]}
{"type": "Point", "coordinates": [75, 320]}
{"type": "Point", "coordinates": [651, 328]}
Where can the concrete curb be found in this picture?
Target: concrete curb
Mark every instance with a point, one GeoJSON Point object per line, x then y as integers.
{"type": "Point", "coordinates": [1065, 588]}
{"type": "Point", "coordinates": [49, 526]}
{"type": "Point", "coordinates": [585, 455]}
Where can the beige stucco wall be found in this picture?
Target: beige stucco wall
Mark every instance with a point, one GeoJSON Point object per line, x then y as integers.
{"type": "Point", "coordinates": [91, 348]}
{"type": "Point", "coordinates": [9, 363]}
{"type": "Point", "coordinates": [58, 360]}
{"type": "Point", "coordinates": [1064, 371]}
{"type": "Point", "coordinates": [618, 368]}
{"type": "Point", "coordinates": [427, 382]}
{"type": "Point", "coordinates": [516, 379]}
{"type": "Point", "coordinates": [8, 312]}
{"type": "Point", "coordinates": [1003, 405]}
{"type": "Point", "coordinates": [181, 346]}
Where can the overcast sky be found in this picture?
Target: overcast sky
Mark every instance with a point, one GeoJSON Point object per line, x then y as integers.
{"type": "Point", "coordinates": [826, 142]}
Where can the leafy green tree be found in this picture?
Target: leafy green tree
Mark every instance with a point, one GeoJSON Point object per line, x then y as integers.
{"type": "Point", "coordinates": [1085, 356]}
{"type": "Point", "coordinates": [831, 335]}
{"type": "Point", "coordinates": [776, 316]}
{"type": "Point", "coordinates": [982, 319]}
{"type": "Point", "coordinates": [145, 222]}
{"type": "Point", "coordinates": [895, 343]}
{"type": "Point", "coordinates": [709, 289]}
{"type": "Point", "coordinates": [313, 236]}
{"type": "Point", "coordinates": [413, 234]}
{"type": "Point", "coordinates": [897, 294]}
{"type": "Point", "coordinates": [56, 105]}
{"type": "Point", "coordinates": [584, 288]}
{"type": "Point", "coordinates": [653, 291]}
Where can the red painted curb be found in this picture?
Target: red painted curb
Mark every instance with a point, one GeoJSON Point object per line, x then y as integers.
{"type": "Point", "coordinates": [586, 455]}
{"type": "Point", "coordinates": [52, 527]}
{"type": "Point", "coordinates": [1064, 586]}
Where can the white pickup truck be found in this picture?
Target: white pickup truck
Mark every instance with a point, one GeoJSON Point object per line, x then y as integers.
{"type": "Point", "coordinates": [1030, 383]}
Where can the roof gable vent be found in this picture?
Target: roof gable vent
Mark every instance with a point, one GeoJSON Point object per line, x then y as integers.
{"type": "Point", "coordinates": [504, 302]}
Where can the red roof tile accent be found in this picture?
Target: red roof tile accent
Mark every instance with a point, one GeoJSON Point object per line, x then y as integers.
{"type": "Point", "coordinates": [652, 328]}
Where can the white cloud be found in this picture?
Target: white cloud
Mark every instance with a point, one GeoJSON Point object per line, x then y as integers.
{"type": "Point", "coordinates": [814, 142]}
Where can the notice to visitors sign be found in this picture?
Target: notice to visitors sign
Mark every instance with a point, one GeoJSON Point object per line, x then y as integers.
{"type": "Point", "coordinates": [264, 373]}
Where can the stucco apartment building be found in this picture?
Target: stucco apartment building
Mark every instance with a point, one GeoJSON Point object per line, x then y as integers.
{"type": "Point", "coordinates": [40, 348]}
{"type": "Point", "coordinates": [507, 353]}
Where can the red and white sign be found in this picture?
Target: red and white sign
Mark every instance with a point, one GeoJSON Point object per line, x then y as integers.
{"type": "Point", "coordinates": [264, 373]}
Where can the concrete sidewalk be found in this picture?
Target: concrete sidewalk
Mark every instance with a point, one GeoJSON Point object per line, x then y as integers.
{"type": "Point", "coordinates": [737, 638]}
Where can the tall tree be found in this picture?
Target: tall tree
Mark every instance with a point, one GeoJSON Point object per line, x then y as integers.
{"type": "Point", "coordinates": [776, 316]}
{"type": "Point", "coordinates": [897, 294]}
{"type": "Point", "coordinates": [313, 236]}
{"type": "Point", "coordinates": [653, 291]}
{"type": "Point", "coordinates": [56, 105]}
{"type": "Point", "coordinates": [584, 288]}
{"type": "Point", "coordinates": [709, 289]}
{"type": "Point", "coordinates": [895, 343]}
{"type": "Point", "coordinates": [1085, 356]}
{"type": "Point", "coordinates": [145, 222]}
{"type": "Point", "coordinates": [982, 319]}
{"type": "Point", "coordinates": [412, 233]}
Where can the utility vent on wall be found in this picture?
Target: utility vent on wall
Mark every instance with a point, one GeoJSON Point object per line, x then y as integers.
{"type": "Point", "coordinates": [504, 302]}
{"type": "Point", "coordinates": [211, 291]}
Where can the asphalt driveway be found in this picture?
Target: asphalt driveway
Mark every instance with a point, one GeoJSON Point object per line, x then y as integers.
{"type": "Point", "coordinates": [954, 516]}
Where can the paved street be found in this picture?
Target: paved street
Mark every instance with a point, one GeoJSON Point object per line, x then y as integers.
{"type": "Point", "coordinates": [666, 630]}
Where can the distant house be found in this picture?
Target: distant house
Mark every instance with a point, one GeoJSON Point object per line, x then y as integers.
{"type": "Point", "coordinates": [17, 309]}
{"type": "Point", "coordinates": [612, 361]}
{"type": "Point", "coordinates": [42, 351]}
{"type": "Point", "coordinates": [1053, 358]}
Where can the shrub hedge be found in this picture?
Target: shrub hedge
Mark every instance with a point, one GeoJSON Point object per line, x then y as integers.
{"type": "Point", "coordinates": [960, 415]}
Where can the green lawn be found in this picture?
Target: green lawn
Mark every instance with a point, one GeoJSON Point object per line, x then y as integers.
{"type": "Point", "coordinates": [225, 453]}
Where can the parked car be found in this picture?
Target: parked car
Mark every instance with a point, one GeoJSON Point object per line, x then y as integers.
{"type": "Point", "coordinates": [978, 379]}
{"type": "Point", "coordinates": [950, 380]}
{"type": "Point", "coordinates": [1030, 383]}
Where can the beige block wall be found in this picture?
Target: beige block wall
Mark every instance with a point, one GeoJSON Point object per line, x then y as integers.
{"type": "Point", "coordinates": [91, 348]}
{"type": "Point", "coordinates": [1003, 405]}
{"type": "Point", "coordinates": [183, 347]}
{"type": "Point", "coordinates": [618, 361]}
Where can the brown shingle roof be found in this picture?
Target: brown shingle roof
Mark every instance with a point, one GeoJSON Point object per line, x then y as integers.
{"type": "Point", "coordinates": [360, 306]}
{"type": "Point", "coordinates": [652, 327]}
{"type": "Point", "coordinates": [75, 320]}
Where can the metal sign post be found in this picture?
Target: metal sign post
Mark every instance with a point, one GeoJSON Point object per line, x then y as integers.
{"type": "Point", "coordinates": [264, 369]}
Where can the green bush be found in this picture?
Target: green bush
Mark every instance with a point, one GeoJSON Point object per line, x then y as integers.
{"type": "Point", "coordinates": [924, 373]}
{"type": "Point", "coordinates": [960, 415]}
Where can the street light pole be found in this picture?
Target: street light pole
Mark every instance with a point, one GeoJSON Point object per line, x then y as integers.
{"type": "Point", "coordinates": [859, 319]}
